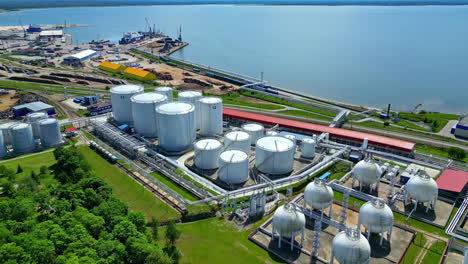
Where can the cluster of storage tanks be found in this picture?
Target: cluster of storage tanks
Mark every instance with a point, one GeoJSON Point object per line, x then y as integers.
{"type": "Point", "coordinates": [103, 152]}
{"type": "Point", "coordinates": [348, 246]}
{"type": "Point", "coordinates": [24, 137]}
{"type": "Point", "coordinates": [173, 123]}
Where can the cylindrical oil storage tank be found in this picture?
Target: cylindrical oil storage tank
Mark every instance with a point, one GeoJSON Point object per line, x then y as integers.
{"type": "Point", "coordinates": [23, 141]}
{"type": "Point", "coordinates": [177, 123]}
{"type": "Point", "coordinates": [308, 148]}
{"type": "Point", "coordinates": [255, 131]}
{"type": "Point", "coordinates": [49, 131]}
{"type": "Point", "coordinates": [233, 167]}
{"type": "Point", "coordinates": [6, 130]}
{"type": "Point", "coordinates": [318, 195]}
{"type": "Point", "coordinates": [237, 140]}
{"type": "Point", "coordinates": [144, 113]}
{"type": "Point", "coordinates": [271, 133]}
{"type": "Point", "coordinates": [274, 155]}
{"type": "Point", "coordinates": [165, 90]}
{"type": "Point", "coordinates": [367, 172]}
{"type": "Point", "coordinates": [287, 221]}
{"type": "Point", "coordinates": [33, 119]}
{"type": "Point", "coordinates": [3, 149]}
{"type": "Point", "coordinates": [211, 116]}
{"type": "Point", "coordinates": [121, 104]}
{"type": "Point", "coordinates": [376, 216]}
{"type": "Point", "coordinates": [207, 153]}
{"type": "Point", "coordinates": [292, 138]}
{"type": "Point", "coordinates": [422, 188]}
{"type": "Point", "coordinates": [350, 246]}
{"type": "Point", "coordinates": [192, 97]}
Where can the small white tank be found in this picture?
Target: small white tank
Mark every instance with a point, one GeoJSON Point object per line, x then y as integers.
{"type": "Point", "coordinates": [121, 104]}
{"type": "Point", "coordinates": [350, 246]}
{"type": "Point", "coordinates": [237, 140]}
{"type": "Point", "coordinates": [23, 141]}
{"type": "Point", "coordinates": [211, 115]}
{"type": "Point", "coordinates": [207, 153]}
{"type": "Point", "coordinates": [308, 148]}
{"type": "Point", "coordinates": [255, 131]}
{"type": "Point", "coordinates": [177, 123]}
{"type": "Point", "coordinates": [376, 216]}
{"type": "Point", "coordinates": [6, 129]}
{"type": "Point", "coordinates": [165, 90]}
{"type": "Point", "coordinates": [144, 113]}
{"type": "Point", "coordinates": [287, 221]}
{"type": "Point", "coordinates": [193, 97]}
{"type": "Point", "coordinates": [422, 188]}
{"type": "Point", "coordinates": [292, 138]}
{"type": "Point", "coordinates": [233, 167]}
{"type": "Point", "coordinates": [318, 195]}
{"type": "Point", "coordinates": [33, 119]}
{"type": "Point", "coordinates": [274, 155]}
{"type": "Point", "coordinates": [271, 133]}
{"type": "Point", "coordinates": [3, 149]}
{"type": "Point", "coordinates": [367, 172]}
{"type": "Point", "coordinates": [49, 131]}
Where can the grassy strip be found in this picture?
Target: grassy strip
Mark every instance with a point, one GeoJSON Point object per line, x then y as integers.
{"type": "Point", "coordinates": [305, 114]}
{"type": "Point", "coordinates": [174, 186]}
{"type": "Point", "coordinates": [437, 151]}
{"type": "Point", "coordinates": [233, 98]}
{"type": "Point", "coordinates": [276, 100]}
{"type": "Point", "coordinates": [407, 124]}
{"type": "Point", "coordinates": [128, 190]}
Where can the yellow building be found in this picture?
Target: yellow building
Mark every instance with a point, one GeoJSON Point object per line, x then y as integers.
{"type": "Point", "coordinates": [111, 67]}
{"type": "Point", "coordinates": [139, 74]}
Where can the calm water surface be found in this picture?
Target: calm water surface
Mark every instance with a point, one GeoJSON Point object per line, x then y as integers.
{"type": "Point", "coordinates": [357, 54]}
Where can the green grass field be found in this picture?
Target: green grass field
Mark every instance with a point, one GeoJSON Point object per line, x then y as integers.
{"type": "Point", "coordinates": [31, 163]}
{"type": "Point", "coordinates": [174, 186]}
{"type": "Point", "coordinates": [218, 241]}
{"type": "Point", "coordinates": [129, 191]}
{"type": "Point", "coordinates": [438, 151]}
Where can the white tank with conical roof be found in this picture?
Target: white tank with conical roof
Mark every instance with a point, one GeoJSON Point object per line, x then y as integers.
{"type": "Point", "coordinates": [255, 131]}
{"type": "Point", "coordinates": [308, 148]}
{"type": "Point", "coordinates": [233, 167]}
{"type": "Point", "coordinates": [165, 90]}
{"type": "Point", "coordinates": [237, 140]}
{"type": "Point", "coordinates": [23, 141]}
{"type": "Point", "coordinates": [193, 97]}
{"type": "Point", "coordinates": [350, 246]}
{"type": "Point", "coordinates": [211, 116]}
{"type": "Point", "coordinates": [121, 104]}
{"type": "Point", "coordinates": [177, 123]}
{"type": "Point", "coordinates": [144, 113]}
{"type": "Point", "coordinates": [318, 195]}
{"type": "Point", "coordinates": [274, 155]}
{"type": "Point", "coordinates": [207, 153]}
{"type": "Point", "coordinates": [288, 223]}
{"type": "Point", "coordinates": [33, 119]}
{"type": "Point", "coordinates": [6, 129]}
{"type": "Point", "coordinates": [49, 131]}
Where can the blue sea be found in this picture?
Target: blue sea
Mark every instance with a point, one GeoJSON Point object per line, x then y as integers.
{"type": "Point", "coordinates": [364, 55]}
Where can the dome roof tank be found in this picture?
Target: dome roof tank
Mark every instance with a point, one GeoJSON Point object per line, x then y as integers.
{"type": "Point", "coordinates": [351, 246]}
{"type": "Point", "coordinates": [376, 216]}
{"type": "Point", "coordinates": [367, 172]}
{"type": "Point", "coordinates": [318, 195]}
{"type": "Point", "coordinates": [255, 131]}
{"type": "Point", "coordinates": [422, 188]}
{"type": "Point", "coordinates": [121, 104]}
{"type": "Point", "coordinates": [237, 140]}
{"type": "Point", "coordinates": [287, 221]}
{"type": "Point", "coordinates": [274, 155]}
{"type": "Point", "coordinates": [165, 90]}
{"type": "Point", "coordinates": [207, 153]}
{"type": "Point", "coordinates": [144, 113]}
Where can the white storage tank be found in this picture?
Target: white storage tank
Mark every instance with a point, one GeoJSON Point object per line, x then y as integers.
{"type": "Point", "coordinates": [3, 149]}
{"type": "Point", "coordinates": [318, 195]}
{"type": "Point", "coordinates": [287, 221]}
{"type": "Point", "coordinates": [192, 97]}
{"type": "Point", "coordinates": [177, 123]}
{"type": "Point", "coordinates": [376, 216]}
{"type": "Point", "coordinates": [33, 119]}
{"type": "Point", "coordinates": [22, 136]}
{"type": "Point", "coordinates": [255, 131]}
{"type": "Point", "coordinates": [50, 132]}
{"type": "Point", "coordinates": [422, 188]}
{"type": "Point", "coordinates": [308, 148]}
{"type": "Point", "coordinates": [350, 246]}
{"type": "Point", "coordinates": [211, 116]}
{"type": "Point", "coordinates": [144, 113]}
{"type": "Point", "coordinates": [233, 167]}
{"type": "Point", "coordinates": [271, 133]}
{"type": "Point", "coordinates": [165, 90]}
{"type": "Point", "coordinates": [292, 138]}
{"type": "Point", "coordinates": [207, 153]}
{"type": "Point", "coordinates": [121, 104]}
{"type": "Point", "coordinates": [274, 155]}
{"type": "Point", "coordinates": [237, 140]}
{"type": "Point", "coordinates": [6, 130]}
{"type": "Point", "coordinates": [367, 172]}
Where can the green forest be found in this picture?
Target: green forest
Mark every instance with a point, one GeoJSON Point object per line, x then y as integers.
{"type": "Point", "coordinates": [65, 214]}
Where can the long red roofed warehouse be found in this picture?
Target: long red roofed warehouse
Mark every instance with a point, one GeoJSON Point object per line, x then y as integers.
{"type": "Point", "coordinates": [452, 181]}
{"type": "Point", "coordinates": [356, 136]}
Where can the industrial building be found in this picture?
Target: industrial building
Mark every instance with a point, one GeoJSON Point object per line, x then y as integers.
{"type": "Point", "coordinates": [138, 74]}
{"type": "Point", "coordinates": [461, 129]}
{"type": "Point", "coordinates": [452, 183]}
{"type": "Point", "coordinates": [22, 110]}
{"type": "Point", "coordinates": [78, 58]}
{"type": "Point", "coordinates": [111, 67]}
{"type": "Point", "coordinates": [49, 35]}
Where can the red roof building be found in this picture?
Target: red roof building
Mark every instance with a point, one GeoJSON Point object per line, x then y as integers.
{"type": "Point", "coordinates": [452, 180]}
{"type": "Point", "coordinates": [71, 129]}
{"type": "Point", "coordinates": [341, 133]}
